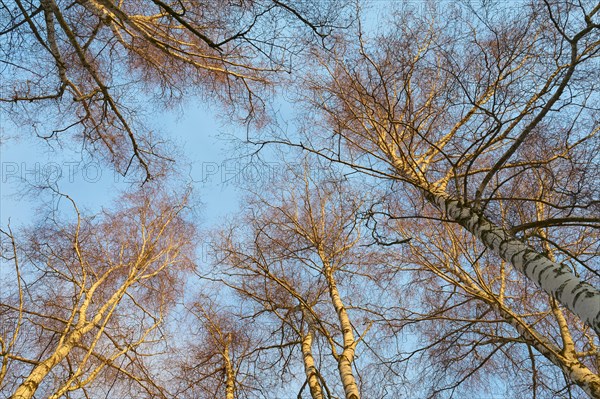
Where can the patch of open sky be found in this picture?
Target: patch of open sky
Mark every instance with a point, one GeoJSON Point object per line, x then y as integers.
{"type": "Point", "coordinates": [29, 162]}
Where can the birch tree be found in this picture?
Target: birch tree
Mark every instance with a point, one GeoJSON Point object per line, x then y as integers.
{"type": "Point", "coordinates": [218, 343]}
{"type": "Point", "coordinates": [474, 316]}
{"type": "Point", "coordinates": [303, 246]}
{"type": "Point", "coordinates": [484, 114]}
{"type": "Point", "coordinates": [90, 297]}
{"type": "Point", "coordinates": [220, 357]}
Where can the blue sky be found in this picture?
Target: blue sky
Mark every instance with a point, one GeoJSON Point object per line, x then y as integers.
{"type": "Point", "coordinates": [194, 128]}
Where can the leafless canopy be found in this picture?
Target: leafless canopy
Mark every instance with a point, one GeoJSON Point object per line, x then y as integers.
{"type": "Point", "coordinates": [90, 67]}
{"type": "Point", "coordinates": [85, 302]}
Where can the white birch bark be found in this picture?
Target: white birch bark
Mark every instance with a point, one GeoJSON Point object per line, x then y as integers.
{"type": "Point", "coordinates": [309, 367]}
{"type": "Point", "coordinates": [31, 383]}
{"type": "Point", "coordinates": [28, 387]}
{"type": "Point", "coordinates": [554, 278]}
{"type": "Point", "coordinates": [345, 358]}
{"type": "Point", "coordinates": [229, 372]}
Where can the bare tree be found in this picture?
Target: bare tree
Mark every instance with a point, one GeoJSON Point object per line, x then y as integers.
{"type": "Point", "coordinates": [470, 114]}
{"type": "Point", "coordinates": [475, 316]}
{"type": "Point", "coordinates": [487, 120]}
{"type": "Point", "coordinates": [90, 298]}
{"type": "Point", "coordinates": [480, 124]}
{"type": "Point", "coordinates": [219, 358]}
{"type": "Point", "coordinates": [297, 257]}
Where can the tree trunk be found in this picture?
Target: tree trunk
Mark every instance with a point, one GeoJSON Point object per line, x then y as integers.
{"type": "Point", "coordinates": [229, 372]}
{"type": "Point", "coordinates": [566, 358]}
{"type": "Point", "coordinates": [345, 369]}
{"type": "Point", "coordinates": [309, 367]}
{"type": "Point", "coordinates": [346, 358]}
{"type": "Point", "coordinates": [554, 278]}
{"type": "Point", "coordinates": [28, 387]}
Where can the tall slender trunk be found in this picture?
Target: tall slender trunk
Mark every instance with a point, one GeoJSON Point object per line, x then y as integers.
{"type": "Point", "coordinates": [554, 278]}
{"type": "Point", "coordinates": [83, 326]}
{"type": "Point", "coordinates": [345, 358]}
{"type": "Point", "coordinates": [316, 392]}
{"type": "Point", "coordinates": [229, 372]}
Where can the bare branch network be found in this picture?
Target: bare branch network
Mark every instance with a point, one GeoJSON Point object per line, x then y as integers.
{"type": "Point", "coordinates": [420, 213]}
